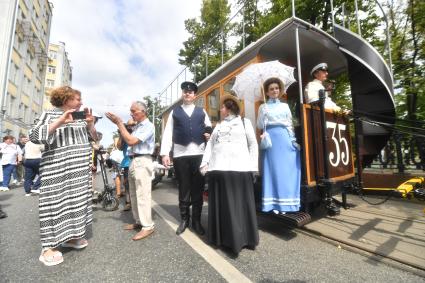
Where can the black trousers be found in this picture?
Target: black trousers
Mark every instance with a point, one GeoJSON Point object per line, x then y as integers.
{"type": "Point", "coordinates": [191, 185]}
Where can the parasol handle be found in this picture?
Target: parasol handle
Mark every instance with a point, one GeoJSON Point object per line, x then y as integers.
{"type": "Point", "coordinates": [263, 92]}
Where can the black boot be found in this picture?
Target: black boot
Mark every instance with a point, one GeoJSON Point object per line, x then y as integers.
{"type": "Point", "coordinates": [196, 220]}
{"type": "Point", "coordinates": [197, 227]}
{"type": "Point", "coordinates": [2, 214]}
{"type": "Point", "coordinates": [184, 223]}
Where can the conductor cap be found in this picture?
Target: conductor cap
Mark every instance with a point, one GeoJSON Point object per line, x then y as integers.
{"type": "Point", "coordinates": [321, 66]}
{"type": "Point", "coordinates": [189, 86]}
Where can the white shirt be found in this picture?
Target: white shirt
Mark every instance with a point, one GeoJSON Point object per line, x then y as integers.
{"type": "Point", "coordinates": [33, 151]}
{"type": "Point", "coordinates": [232, 147]}
{"type": "Point", "coordinates": [181, 150]}
{"type": "Point", "coordinates": [145, 132]}
{"type": "Point", "coordinates": [312, 95]}
{"type": "Point", "coordinates": [10, 153]}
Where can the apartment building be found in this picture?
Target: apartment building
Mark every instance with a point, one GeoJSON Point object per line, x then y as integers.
{"type": "Point", "coordinates": [24, 40]}
{"type": "Point", "coordinates": [58, 72]}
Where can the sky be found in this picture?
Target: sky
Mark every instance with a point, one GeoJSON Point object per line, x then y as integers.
{"type": "Point", "coordinates": [121, 50]}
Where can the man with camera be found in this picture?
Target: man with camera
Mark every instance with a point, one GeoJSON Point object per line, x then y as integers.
{"type": "Point", "coordinates": [141, 145]}
{"type": "Point", "coordinates": [186, 133]}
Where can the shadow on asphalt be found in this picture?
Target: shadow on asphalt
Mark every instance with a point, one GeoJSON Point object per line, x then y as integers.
{"type": "Point", "coordinates": [272, 225]}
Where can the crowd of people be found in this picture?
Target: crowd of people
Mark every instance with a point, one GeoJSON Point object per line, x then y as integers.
{"type": "Point", "coordinates": [60, 163]}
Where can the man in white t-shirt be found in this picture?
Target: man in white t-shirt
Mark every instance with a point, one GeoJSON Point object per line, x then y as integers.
{"type": "Point", "coordinates": [11, 155]}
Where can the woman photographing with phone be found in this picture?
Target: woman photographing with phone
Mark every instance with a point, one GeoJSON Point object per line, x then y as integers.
{"type": "Point", "coordinates": [65, 200]}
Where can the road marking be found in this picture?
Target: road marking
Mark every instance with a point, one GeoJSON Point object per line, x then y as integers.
{"type": "Point", "coordinates": [223, 267]}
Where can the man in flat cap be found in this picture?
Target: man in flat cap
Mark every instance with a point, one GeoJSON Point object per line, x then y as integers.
{"type": "Point", "coordinates": [185, 132]}
{"type": "Point", "coordinates": [320, 75]}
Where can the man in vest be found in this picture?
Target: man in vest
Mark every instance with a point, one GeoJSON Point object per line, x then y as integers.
{"type": "Point", "coordinates": [185, 132]}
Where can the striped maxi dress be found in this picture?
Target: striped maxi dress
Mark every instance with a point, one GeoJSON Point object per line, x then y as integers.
{"type": "Point", "coordinates": [65, 199]}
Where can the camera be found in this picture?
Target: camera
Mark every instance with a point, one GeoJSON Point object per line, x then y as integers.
{"type": "Point", "coordinates": [78, 115]}
{"type": "Point", "coordinates": [129, 128]}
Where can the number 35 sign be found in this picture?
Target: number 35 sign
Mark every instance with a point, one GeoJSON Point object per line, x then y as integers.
{"type": "Point", "coordinates": [339, 157]}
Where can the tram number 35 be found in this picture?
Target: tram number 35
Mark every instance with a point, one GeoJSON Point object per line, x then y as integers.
{"type": "Point", "coordinates": [341, 153]}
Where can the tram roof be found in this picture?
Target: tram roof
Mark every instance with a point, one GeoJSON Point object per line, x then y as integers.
{"type": "Point", "coordinates": [280, 44]}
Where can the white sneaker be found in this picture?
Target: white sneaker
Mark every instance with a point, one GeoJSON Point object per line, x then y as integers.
{"type": "Point", "coordinates": [27, 195]}
{"type": "Point", "coordinates": [36, 192]}
{"type": "Point", "coordinates": [4, 189]}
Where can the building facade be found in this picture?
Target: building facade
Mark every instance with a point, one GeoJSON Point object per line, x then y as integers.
{"type": "Point", "coordinates": [24, 40]}
{"type": "Point", "coordinates": [58, 71]}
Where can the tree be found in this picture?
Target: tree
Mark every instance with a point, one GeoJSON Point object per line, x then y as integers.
{"type": "Point", "coordinates": [154, 110]}
{"type": "Point", "coordinates": [249, 25]}
{"type": "Point", "coordinates": [206, 39]}
{"type": "Point", "coordinates": [407, 28]}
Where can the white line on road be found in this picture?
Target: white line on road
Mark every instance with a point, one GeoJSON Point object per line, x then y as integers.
{"type": "Point", "coordinates": [223, 267]}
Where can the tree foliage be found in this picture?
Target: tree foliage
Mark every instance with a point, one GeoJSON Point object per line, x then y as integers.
{"type": "Point", "coordinates": [154, 110]}
{"type": "Point", "coordinates": [408, 50]}
{"type": "Point", "coordinates": [202, 51]}
{"type": "Point", "coordinates": [406, 20]}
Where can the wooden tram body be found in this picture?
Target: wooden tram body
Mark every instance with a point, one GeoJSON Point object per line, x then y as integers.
{"type": "Point", "coordinates": [327, 160]}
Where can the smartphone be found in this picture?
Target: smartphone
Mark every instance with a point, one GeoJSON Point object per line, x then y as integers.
{"type": "Point", "coordinates": [78, 115]}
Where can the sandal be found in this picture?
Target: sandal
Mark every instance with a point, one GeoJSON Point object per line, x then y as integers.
{"type": "Point", "coordinates": [52, 259]}
{"type": "Point", "coordinates": [78, 244]}
{"type": "Point", "coordinates": [127, 206]}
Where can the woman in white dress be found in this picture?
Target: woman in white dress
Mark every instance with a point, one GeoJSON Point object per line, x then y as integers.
{"type": "Point", "coordinates": [231, 157]}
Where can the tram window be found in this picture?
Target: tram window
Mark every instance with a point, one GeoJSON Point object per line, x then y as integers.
{"type": "Point", "coordinates": [213, 105]}
{"type": "Point", "coordinates": [200, 101]}
{"type": "Point", "coordinates": [227, 87]}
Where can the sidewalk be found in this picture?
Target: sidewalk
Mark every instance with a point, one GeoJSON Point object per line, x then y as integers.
{"type": "Point", "coordinates": [395, 229]}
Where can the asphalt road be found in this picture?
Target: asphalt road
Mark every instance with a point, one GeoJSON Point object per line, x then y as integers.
{"type": "Point", "coordinates": [283, 255]}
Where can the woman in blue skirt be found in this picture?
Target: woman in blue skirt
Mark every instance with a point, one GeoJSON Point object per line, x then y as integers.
{"type": "Point", "coordinates": [281, 166]}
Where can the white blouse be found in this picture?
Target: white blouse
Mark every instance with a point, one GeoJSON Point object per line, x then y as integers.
{"type": "Point", "coordinates": [232, 147]}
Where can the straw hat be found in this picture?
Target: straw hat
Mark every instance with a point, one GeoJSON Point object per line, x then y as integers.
{"type": "Point", "coordinates": [235, 99]}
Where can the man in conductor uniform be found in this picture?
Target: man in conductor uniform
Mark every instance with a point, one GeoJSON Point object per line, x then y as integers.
{"type": "Point", "coordinates": [320, 75]}
{"type": "Point", "coordinates": [185, 132]}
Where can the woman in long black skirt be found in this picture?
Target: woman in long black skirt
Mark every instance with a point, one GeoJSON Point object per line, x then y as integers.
{"type": "Point", "coordinates": [230, 159]}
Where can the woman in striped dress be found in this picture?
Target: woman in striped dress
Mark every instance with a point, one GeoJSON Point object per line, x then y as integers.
{"type": "Point", "coordinates": [65, 200]}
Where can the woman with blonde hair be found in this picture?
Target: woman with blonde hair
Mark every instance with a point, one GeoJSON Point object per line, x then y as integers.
{"type": "Point", "coordinates": [281, 165]}
{"type": "Point", "coordinates": [65, 200]}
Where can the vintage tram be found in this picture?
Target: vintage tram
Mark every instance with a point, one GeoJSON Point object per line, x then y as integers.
{"type": "Point", "coordinates": [328, 167]}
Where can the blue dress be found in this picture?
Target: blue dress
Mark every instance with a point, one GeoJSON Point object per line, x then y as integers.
{"type": "Point", "coordinates": [281, 165]}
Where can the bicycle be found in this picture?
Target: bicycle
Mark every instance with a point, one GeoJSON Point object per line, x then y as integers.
{"type": "Point", "coordinates": [109, 201]}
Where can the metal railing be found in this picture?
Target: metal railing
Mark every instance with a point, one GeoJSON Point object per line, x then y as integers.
{"type": "Point", "coordinates": [403, 152]}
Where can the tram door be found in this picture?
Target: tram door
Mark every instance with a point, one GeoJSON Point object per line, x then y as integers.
{"type": "Point", "coordinates": [339, 161]}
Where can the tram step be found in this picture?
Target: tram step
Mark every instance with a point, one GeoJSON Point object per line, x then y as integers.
{"type": "Point", "coordinates": [296, 219]}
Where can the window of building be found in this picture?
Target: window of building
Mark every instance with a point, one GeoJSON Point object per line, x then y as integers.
{"type": "Point", "coordinates": [53, 54]}
{"type": "Point", "coordinates": [12, 107]}
{"type": "Point", "coordinates": [51, 69]}
{"type": "Point", "coordinates": [13, 75]}
{"type": "Point", "coordinates": [25, 116]}
{"type": "Point", "coordinates": [50, 83]}
{"type": "Point", "coordinates": [27, 85]}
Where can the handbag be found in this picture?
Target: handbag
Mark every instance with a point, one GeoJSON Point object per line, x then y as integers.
{"type": "Point", "coordinates": [266, 141]}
